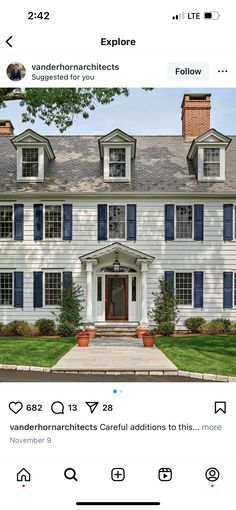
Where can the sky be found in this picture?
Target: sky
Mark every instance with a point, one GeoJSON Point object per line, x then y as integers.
{"type": "Point", "coordinates": [143, 112]}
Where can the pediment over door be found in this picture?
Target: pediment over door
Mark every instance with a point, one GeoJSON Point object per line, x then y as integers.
{"type": "Point", "coordinates": [124, 252]}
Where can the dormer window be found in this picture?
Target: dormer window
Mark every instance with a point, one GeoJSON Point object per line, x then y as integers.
{"type": "Point", "coordinates": [117, 149]}
{"type": "Point", "coordinates": [211, 162]}
{"type": "Point", "coordinates": [207, 154]}
{"type": "Point", "coordinates": [30, 162]}
{"type": "Point", "coordinates": [117, 162]}
{"type": "Point", "coordinates": [33, 155]}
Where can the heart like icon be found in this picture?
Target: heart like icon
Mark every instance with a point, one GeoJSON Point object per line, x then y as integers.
{"type": "Point", "coordinates": [15, 407]}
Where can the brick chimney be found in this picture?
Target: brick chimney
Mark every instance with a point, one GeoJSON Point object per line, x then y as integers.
{"type": "Point", "coordinates": [6, 128]}
{"type": "Point", "coordinates": [195, 115]}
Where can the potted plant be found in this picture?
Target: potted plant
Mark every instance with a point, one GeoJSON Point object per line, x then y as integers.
{"type": "Point", "coordinates": [91, 331]}
{"type": "Point", "coordinates": [140, 330]}
{"type": "Point", "coordinates": [149, 337]}
{"type": "Point", "coordinates": [83, 339]}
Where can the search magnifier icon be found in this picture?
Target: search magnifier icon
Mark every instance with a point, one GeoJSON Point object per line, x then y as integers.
{"type": "Point", "coordinates": [70, 474]}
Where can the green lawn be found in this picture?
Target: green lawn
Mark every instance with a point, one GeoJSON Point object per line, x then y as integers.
{"type": "Point", "coordinates": [209, 354]}
{"type": "Point", "coordinates": [41, 352]}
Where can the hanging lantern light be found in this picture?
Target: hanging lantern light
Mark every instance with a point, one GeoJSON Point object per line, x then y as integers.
{"type": "Point", "coordinates": [116, 264]}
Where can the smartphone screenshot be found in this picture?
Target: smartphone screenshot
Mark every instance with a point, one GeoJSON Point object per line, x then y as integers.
{"type": "Point", "coordinates": [117, 255]}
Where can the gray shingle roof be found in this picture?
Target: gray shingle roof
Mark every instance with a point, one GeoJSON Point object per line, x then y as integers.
{"type": "Point", "coordinates": [160, 166]}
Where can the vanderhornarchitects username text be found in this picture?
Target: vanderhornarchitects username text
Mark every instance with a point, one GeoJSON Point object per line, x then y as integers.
{"type": "Point", "coordinates": [92, 66]}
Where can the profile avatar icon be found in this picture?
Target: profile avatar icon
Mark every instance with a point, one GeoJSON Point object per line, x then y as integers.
{"type": "Point", "coordinates": [16, 71]}
{"type": "Point", "coordinates": [212, 474]}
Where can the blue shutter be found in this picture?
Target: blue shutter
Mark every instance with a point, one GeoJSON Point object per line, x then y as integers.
{"type": "Point", "coordinates": [67, 222]}
{"type": "Point", "coordinates": [169, 222]}
{"type": "Point", "coordinates": [169, 278]}
{"type": "Point", "coordinates": [228, 222]}
{"type": "Point", "coordinates": [198, 289]}
{"type": "Point", "coordinates": [228, 290]}
{"type": "Point", "coordinates": [38, 222]}
{"type": "Point", "coordinates": [67, 281]}
{"type": "Point", "coordinates": [131, 222]}
{"type": "Point", "coordinates": [102, 222]}
{"type": "Point", "coordinates": [198, 222]}
{"type": "Point", "coordinates": [18, 222]}
{"type": "Point", "coordinates": [38, 289]}
{"type": "Point", "coordinates": [18, 289]}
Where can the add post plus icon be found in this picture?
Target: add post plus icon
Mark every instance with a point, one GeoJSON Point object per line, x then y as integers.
{"type": "Point", "coordinates": [118, 474]}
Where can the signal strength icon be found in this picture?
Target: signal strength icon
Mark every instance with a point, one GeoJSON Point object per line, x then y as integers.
{"type": "Point", "coordinates": [181, 15]}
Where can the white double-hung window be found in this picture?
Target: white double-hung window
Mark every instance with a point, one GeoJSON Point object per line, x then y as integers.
{"type": "Point", "coordinates": [184, 222]}
{"type": "Point", "coordinates": [184, 288]}
{"type": "Point", "coordinates": [53, 287]}
{"type": "Point", "coordinates": [6, 222]}
{"type": "Point", "coordinates": [211, 162]}
{"type": "Point", "coordinates": [6, 289]}
{"type": "Point", "coordinates": [30, 162]}
{"type": "Point", "coordinates": [117, 221]}
{"type": "Point", "coordinates": [53, 222]}
{"type": "Point", "coordinates": [117, 162]}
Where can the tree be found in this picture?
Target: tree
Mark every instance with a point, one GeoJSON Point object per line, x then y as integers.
{"type": "Point", "coordinates": [70, 307]}
{"type": "Point", "coordinates": [165, 304]}
{"type": "Point", "coordinates": [60, 105]}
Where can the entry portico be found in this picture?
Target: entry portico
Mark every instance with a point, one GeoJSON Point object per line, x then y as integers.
{"type": "Point", "coordinates": [116, 284]}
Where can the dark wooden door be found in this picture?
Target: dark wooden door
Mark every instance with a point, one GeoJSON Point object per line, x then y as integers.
{"type": "Point", "coordinates": [116, 298]}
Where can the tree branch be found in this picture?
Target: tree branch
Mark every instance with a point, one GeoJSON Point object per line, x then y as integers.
{"type": "Point", "coordinates": [14, 96]}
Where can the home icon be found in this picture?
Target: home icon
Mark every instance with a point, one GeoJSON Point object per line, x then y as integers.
{"type": "Point", "coordinates": [23, 476]}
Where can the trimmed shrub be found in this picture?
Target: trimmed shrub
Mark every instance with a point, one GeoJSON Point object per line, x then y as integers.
{"type": "Point", "coordinates": [20, 328]}
{"type": "Point", "coordinates": [212, 328]}
{"type": "Point", "coordinates": [166, 328]}
{"type": "Point", "coordinates": [193, 324]}
{"type": "Point", "coordinates": [1, 328]}
{"type": "Point", "coordinates": [66, 329]}
{"type": "Point", "coordinates": [233, 328]}
{"type": "Point", "coordinates": [26, 329]}
{"type": "Point", "coordinates": [226, 323]}
{"type": "Point", "coordinates": [45, 326]}
{"type": "Point", "coordinates": [12, 327]}
{"type": "Point", "coordinates": [9, 329]}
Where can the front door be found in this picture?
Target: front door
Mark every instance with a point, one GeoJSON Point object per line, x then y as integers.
{"type": "Point", "coordinates": [116, 298]}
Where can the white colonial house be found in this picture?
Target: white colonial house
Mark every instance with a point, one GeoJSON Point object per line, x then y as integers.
{"type": "Point", "coordinates": [116, 213]}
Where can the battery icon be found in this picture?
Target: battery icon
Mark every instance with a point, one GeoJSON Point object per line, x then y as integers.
{"type": "Point", "coordinates": [211, 15]}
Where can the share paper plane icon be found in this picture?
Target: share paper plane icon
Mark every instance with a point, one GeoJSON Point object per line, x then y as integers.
{"type": "Point", "coordinates": [92, 406]}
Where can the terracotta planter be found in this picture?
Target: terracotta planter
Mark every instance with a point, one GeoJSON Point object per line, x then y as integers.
{"type": "Point", "coordinates": [140, 332]}
{"type": "Point", "coordinates": [91, 332]}
{"type": "Point", "coordinates": [148, 340]}
{"type": "Point", "coordinates": [83, 340]}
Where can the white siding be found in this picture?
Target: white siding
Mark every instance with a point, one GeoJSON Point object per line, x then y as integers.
{"type": "Point", "coordinates": [213, 255]}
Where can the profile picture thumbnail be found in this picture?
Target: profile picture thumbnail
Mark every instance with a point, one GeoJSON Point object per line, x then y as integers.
{"type": "Point", "coordinates": [16, 71]}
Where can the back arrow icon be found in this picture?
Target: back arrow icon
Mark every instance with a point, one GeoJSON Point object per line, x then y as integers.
{"type": "Point", "coordinates": [7, 41]}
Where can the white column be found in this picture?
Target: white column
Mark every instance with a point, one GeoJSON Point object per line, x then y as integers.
{"type": "Point", "coordinates": [89, 273]}
{"type": "Point", "coordinates": [144, 318]}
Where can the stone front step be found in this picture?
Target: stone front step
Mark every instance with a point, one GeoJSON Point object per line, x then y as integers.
{"type": "Point", "coordinates": [116, 332]}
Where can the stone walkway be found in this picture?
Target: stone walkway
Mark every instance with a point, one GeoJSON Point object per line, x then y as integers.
{"type": "Point", "coordinates": [116, 356]}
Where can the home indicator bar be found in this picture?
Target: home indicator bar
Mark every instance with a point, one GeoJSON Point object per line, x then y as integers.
{"type": "Point", "coordinates": [123, 503]}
